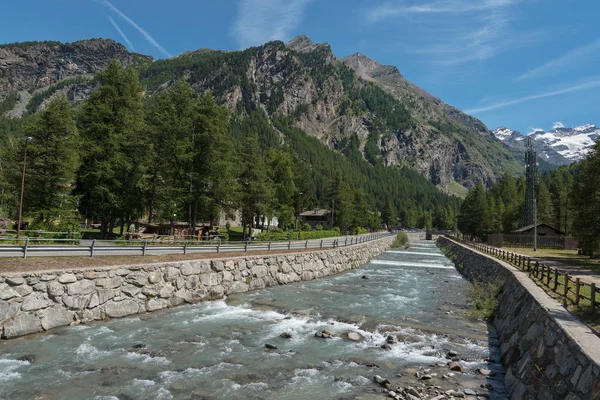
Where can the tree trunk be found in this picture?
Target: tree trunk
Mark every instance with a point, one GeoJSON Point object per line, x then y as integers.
{"type": "Point", "coordinates": [153, 196]}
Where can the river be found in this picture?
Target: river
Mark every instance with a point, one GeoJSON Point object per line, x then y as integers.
{"type": "Point", "coordinates": [217, 350]}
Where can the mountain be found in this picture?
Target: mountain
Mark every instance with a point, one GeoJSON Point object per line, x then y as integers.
{"type": "Point", "coordinates": [559, 146]}
{"type": "Point", "coordinates": [352, 104]}
{"type": "Point", "coordinates": [33, 70]}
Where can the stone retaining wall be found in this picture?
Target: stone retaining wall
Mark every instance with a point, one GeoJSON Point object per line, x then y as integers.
{"type": "Point", "coordinates": [35, 302]}
{"type": "Point", "coordinates": [547, 352]}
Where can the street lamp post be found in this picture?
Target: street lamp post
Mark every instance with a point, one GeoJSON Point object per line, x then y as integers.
{"type": "Point", "coordinates": [298, 220]}
{"type": "Point", "coordinates": [27, 140]}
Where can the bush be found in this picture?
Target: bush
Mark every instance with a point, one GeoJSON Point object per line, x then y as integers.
{"type": "Point", "coordinates": [359, 230]}
{"type": "Point", "coordinates": [319, 227]}
{"type": "Point", "coordinates": [400, 241]}
{"type": "Point", "coordinates": [306, 227]}
{"type": "Point", "coordinates": [228, 226]}
{"type": "Point", "coordinates": [484, 298]}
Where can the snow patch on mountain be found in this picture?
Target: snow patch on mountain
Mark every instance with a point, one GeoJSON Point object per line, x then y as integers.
{"type": "Point", "coordinates": [559, 146]}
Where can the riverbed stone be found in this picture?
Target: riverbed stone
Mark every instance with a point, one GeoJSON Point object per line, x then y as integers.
{"type": "Point", "coordinates": [81, 287]}
{"type": "Point", "coordinates": [120, 309]}
{"type": "Point", "coordinates": [22, 324]}
{"type": "Point", "coordinates": [67, 278]}
{"type": "Point", "coordinates": [56, 316]}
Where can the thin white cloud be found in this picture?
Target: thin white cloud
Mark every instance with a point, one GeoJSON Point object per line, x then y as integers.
{"type": "Point", "coordinates": [560, 64]}
{"type": "Point", "coordinates": [558, 125]}
{"type": "Point", "coordinates": [576, 88]}
{"type": "Point", "coordinates": [125, 38]}
{"type": "Point", "coordinates": [260, 21]}
{"type": "Point", "coordinates": [141, 30]}
{"type": "Point", "coordinates": [390, 10]}
{"type": "Point", "coordinates": [449, 33]}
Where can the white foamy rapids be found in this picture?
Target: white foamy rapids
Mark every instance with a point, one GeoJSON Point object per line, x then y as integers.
{"type": "Point", "coordinates": [220, 369]}
{"type": "Point", "coordinates": [421, 253]}
{"type": "Point", "coordinates": [145, 358]}
{"type": "Point", "coordinates": [88, 352]}
{"type": "Point", "coordinates": [8, 367]}
{"type": "Point", "coordinates": [412, 264]}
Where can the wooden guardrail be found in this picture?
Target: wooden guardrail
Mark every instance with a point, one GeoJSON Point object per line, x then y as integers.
{"type": "Point", "coordinates": [583, 294]}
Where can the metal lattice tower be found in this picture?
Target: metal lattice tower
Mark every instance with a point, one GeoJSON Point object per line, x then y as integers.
{"type": "Point", "coordinates": [530, 180]}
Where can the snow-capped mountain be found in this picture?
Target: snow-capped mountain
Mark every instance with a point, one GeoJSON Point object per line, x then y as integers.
{"type": "Point", "coordinates": [559, 146]}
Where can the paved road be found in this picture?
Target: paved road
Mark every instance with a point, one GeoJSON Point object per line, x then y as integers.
{"type": "Point", "coordinates": [103, 248]}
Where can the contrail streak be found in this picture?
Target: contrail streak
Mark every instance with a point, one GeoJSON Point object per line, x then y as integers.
{"type": "Point", "coordinates": [148, 37]}
{"type": "Point", "coordinates": [125, 38]}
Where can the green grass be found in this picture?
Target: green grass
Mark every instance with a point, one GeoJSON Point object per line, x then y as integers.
{"type": "Point", "coordinates": [567, 257]}
{"type": "Point", "coordinates": [484, 299]}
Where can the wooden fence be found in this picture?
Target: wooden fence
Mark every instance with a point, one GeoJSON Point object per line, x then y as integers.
{"type": "Point", "coordinates": [543, 242]}
{"type": "Point", "coordinates": [583, 294]}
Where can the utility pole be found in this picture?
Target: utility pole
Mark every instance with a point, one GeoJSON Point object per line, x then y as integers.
{"type": "Point", "coordinates": [27, 140]}
{"type": "Point", "coordinates": [530, 217]}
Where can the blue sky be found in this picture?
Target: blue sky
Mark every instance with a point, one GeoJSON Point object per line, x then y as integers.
{"type": "Point", "coordinates": [519, 63]}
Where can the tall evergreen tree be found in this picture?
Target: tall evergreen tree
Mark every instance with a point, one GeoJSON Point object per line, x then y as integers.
{"type": "Point", "coordinates": [586, 198]}
{"type": "Point", "coordinates": [111, 180]}
{"type": "Point", "coordinates": [52, 161]}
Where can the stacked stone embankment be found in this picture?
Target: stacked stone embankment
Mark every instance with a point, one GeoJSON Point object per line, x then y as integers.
{"type": "Point", "coordinates": [35, 302]}
{"type": "Point", "coordinates": [546, 351]}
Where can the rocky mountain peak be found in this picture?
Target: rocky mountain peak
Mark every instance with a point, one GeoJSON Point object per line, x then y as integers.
{"type": "Point", "coordinates": [302, 44]}
{"type": "Point", "coordinates": [31, 65]}
{"type": "Point", "coordinates": [370, 69]}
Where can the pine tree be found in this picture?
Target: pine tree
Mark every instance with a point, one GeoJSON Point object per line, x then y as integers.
{"type": "Point", "coordinates": [52, 161]}
{"type": "Point", "coordinates": [111, 180]}
{"type": "Point", "coordinates": [544, 204]}
{"type": "Point", "coordinates": [170, 119]}
{"type": "Point", "coordinates": [586, 197]}
{"type": "Point", "coordinates": [256, 187]}
{"type": "Point", "coordinates": [389, 214]}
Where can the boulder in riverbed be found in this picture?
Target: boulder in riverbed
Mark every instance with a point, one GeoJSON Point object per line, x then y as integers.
{"type": "Point", "coordinates": [353, 336]}
{"type": "Point", "coordinates": [454, 366]}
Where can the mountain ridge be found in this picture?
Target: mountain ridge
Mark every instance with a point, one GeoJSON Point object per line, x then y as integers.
{"type": "Point", "coordinates": [558, 146]}
{"type": "Point", "coordinates": [334, 100]}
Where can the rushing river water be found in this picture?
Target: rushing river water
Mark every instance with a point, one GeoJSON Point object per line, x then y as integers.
{"type": "Point", "coordinates": [216, 350]}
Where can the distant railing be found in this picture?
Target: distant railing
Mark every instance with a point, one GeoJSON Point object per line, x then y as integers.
{"type": "Point", "coordinates": [28, 247]}
{"type": "Point", "coordinates": [543, 242]}
{"type": "Point", "coordinates": [584, 295]}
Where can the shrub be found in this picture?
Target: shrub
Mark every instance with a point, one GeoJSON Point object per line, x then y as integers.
{"type": "Point", "coordinates": [228, 226]}
{"type": "Point", "coordinates": [484, 298]}
{"type": "Point", "coordinates": [319, 227]}
{"type": "Point", "coordinates": [400, 241]}
{"type": "Point", "coordinates": [306, 227]}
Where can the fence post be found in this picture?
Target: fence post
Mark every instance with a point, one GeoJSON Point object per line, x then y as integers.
{"type": "Point", "coordinates": [593, 297]}
{"type": "Point", "coordinates": [246, 246]}
{"type": "Point", "coordinates": [548, 278]}
{"type": "Point", "coordinates": [535, 268]}
{"type": "Point", "coordinates": [144, 248]}
{"type": "Point", "coordinates": [25, 248]}
{"type": "Point", "coordinates": [528, 264]}
{"type": "Point", "coordinates": [289, 244]}
{"type": "Point", "coordinates": [566, 293]}
{"type": "Point", "coordinates": [321, 243]}
{"type": "Point", "coordinates": [346, 242]}
{"type": "Point", "coordinates": [92, 248]}
{"type": "Point", "coordinates": [219, 246]}
{"type": "Point", "coordinates": [306, 245]}
{"type": "Point", "coordinates": [185, 246]}
{"type": "Point", "coordinates": [577, 287]}
{"type": "Point", "coordinates": [555, 279]}
{"type": "Point", "coordinates": [269, 245]}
